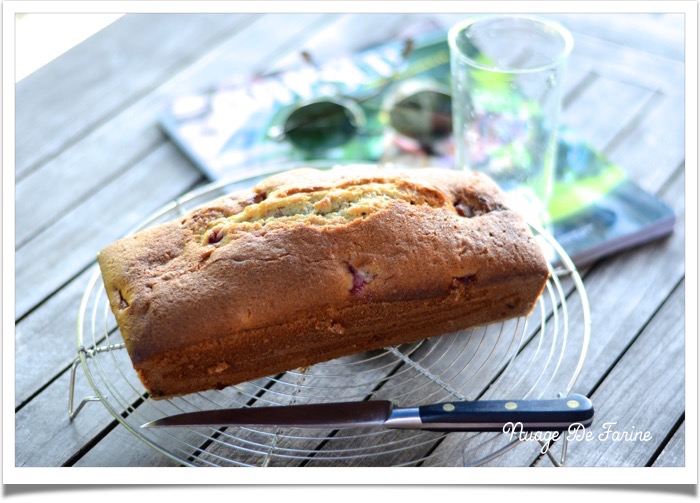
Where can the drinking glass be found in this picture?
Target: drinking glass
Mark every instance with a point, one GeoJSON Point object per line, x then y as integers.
{"type": "Point", "coordinates": [506, 75]}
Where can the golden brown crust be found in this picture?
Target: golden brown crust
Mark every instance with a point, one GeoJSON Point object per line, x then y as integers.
{"type": "Point", "coordinates": [311, 265]}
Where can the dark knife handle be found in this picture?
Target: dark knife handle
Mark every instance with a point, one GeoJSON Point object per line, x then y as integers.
{"type": "Point", "coordinates": [492, 415]}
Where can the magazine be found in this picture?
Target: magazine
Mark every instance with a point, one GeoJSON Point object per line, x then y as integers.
{"type": "Point", "coordinates": [595, 209]}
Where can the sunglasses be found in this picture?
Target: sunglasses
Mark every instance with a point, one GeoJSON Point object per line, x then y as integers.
{"type": "Point", "coordinates": [417, 109]}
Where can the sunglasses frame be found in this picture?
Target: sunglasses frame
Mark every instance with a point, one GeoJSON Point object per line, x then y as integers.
{"type": "Point", "coordinates": [279, 132]}
{"type": "Point", "coordinates": [280, 129]}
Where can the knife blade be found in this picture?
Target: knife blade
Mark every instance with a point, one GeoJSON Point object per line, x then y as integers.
{"type": "Point", "coordinates": [483, 415]}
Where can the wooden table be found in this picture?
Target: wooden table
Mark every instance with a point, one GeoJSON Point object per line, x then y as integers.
{"type": "Point", "coordinates": [91, 163]}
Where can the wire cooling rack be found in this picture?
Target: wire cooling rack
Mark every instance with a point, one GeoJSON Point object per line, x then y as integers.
{"type": "Point", "coordinates": [539, 356]}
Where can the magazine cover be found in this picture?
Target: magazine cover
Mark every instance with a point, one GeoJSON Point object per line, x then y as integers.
{"type": "Point", "coordinates": [391, 104]}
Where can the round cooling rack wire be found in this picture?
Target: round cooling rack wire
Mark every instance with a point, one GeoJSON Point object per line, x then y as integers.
{"type": "Point", "coordinates": [535, 357]}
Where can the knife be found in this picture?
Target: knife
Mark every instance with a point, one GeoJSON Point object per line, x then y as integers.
{"type": "Point", "coordinates": [487, 415]}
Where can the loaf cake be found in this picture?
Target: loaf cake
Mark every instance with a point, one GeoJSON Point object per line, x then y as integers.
{"type": "Point", "coordinates": [312, 265]}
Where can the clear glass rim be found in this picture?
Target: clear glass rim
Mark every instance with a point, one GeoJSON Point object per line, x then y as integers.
{"type": "Point", "coordinates": [558, 28]}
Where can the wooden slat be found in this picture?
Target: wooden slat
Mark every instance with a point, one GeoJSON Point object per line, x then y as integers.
{"type": "Point", "coordinates": [630, 66]}
{"type": "Point", "coordinates": [354, 32]}
{"type": "Point", "coordinates": [125, 451]}
{"type": "Point", "coordinates": [64, 181]}
{"type": "Point", "coordinates": [655, 146]}
{"type": "Point", "coordinates": [659, 35]}
{"type": "Point", "coordinates": [651, 399]}
{"type": "Point", "coordinates": [235, 61]}
{"type": "Point", "coordinates": [674, 452]}
{"type": "Point", "coordinates": [632, 31]}
{"type": "Point", "coordinates": [70, 244]}
{"type": "Point", "coordinates": [44, 436]}
{"type": "Point", "coordinates": [178, 442]}
{"type": "Point", "coordinates": [595, 119]}
{"type": "Point", "coordinates": [45, 341]}
{"type": "Point", "coordinates": [64, 442]}
{"type": "Point", "coordinates": [621, 62]}
{"type": "Point", "coordinates": [60, 102]}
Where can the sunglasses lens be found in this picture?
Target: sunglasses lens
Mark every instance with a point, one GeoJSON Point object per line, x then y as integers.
{"type": "Point", "coordinates": [425, 116]}
{"type": "Point", "coordinates": [320, 126]}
